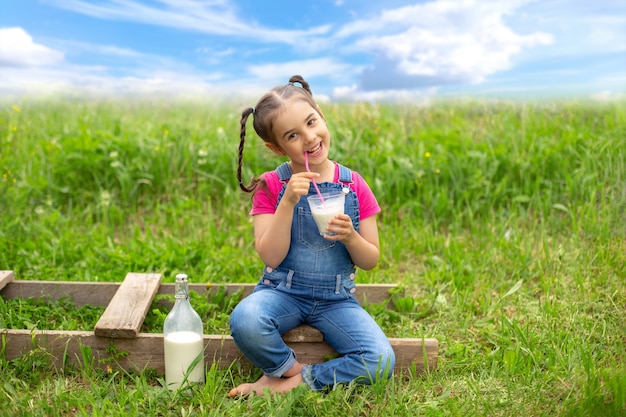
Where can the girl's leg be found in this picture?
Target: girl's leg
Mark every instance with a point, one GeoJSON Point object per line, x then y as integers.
{"type": "Point", "coordinates": [366, 354]}
{"type": "Point", "coordinates": [257, 323]}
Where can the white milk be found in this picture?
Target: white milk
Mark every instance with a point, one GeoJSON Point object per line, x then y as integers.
{"type": "Point", "coordinates": [181, 348]}
{"type": "Point", "coordinates": [326, 208]}
{"type": "Point", "coordinates": [322, 215]}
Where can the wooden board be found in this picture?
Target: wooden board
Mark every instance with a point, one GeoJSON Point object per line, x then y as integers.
{"type": "Point", "coordinates": [81, 293]}
{"type": "Point", "coordinates": [146, 350]}
{"type": "Point", "coordinates": [303, 333]}
{"type": "Point", "coordinates": [5, 278]}
{"type": "Point", "coordinates": [101, 293]}
{"type": "Point", "coordinates": [127, 310]}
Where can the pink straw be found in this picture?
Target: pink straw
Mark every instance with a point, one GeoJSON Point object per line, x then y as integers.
{"type": "Point", "coordinates": [306, 164]}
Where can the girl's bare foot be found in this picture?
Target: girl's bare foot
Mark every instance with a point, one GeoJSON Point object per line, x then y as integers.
{"type": "Point", "coordinates": [275, 385]}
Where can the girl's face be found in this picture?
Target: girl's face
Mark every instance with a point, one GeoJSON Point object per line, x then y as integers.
{"type": "Point", "coordinates": [300, 128]}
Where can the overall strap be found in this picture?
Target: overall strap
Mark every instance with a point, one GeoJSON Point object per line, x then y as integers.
{"type": "Point", "coordinates": [345, 175]}
{"type": "Point", "coordinates": [283, 171]}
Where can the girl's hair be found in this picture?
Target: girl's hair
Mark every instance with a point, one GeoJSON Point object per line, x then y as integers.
{"type": "Point", "coordinates": [263, 116]}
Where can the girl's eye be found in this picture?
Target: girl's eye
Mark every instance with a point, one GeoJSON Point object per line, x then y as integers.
{"type": "Point", "coordinates": [292, 136]}
{"type": "Point", "coordinates": [311, 122]}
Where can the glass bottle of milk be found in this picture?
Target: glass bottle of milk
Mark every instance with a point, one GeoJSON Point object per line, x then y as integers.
{"type": "Point", "coordinates": [183, 341]}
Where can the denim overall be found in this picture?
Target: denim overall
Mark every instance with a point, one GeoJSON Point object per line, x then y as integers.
{"type": "Point", "coordinates": [315, 285]}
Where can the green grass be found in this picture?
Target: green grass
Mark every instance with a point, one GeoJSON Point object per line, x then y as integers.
{"type": "Point", "coordinates": [41, 314]}
{"type": "Point", "coordinates": [503, 222]}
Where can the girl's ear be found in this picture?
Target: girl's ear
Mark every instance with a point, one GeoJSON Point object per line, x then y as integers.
{"type": "Point", "coordinates": [274, 148]}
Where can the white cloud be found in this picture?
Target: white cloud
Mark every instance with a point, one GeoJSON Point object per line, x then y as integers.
{"type": "Point", "coordinates": [17, 49]}
{"type": "Point", "coordinates": [354, 94]}
{"type": "Point", "coordinates": [96, 81]}
{"type": "Point", "coordinates": [438, 43]}
{"type": "Point", "coordinates": [214, 56]}
{"type": "Point", "coordinates": [606, 96]}
{"type": "Point", "coordinates": [308, 68]}
{"type": "Point", "coordinates": [578, 27]}
{"type": "Point", "coordinates": [215, 17]}
{"type": "Point", "coordinates": [34, 72]}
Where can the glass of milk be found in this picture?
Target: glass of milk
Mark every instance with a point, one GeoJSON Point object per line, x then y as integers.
{"type": "Point", "coordinates": [325, 208]}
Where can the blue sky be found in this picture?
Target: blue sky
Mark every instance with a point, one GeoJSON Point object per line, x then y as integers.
{"type": "Point", "coordinates": [347, 49]}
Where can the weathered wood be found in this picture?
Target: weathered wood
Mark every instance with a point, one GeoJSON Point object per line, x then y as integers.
{"type": "Point", "coordinates": [146, 350]}
{"type": "Point", "coordinates": [101, 293]}
{"type": "Point", "coordinates": [303, 333]}
{"type": "Point", "coordinates": [81, 293]}
{"type": "Point", "coordinates": [5, 278]}
{"type": "Point", "coordinates": [127, 310]}
{"type": "Point", "coordinates": [421, 352]}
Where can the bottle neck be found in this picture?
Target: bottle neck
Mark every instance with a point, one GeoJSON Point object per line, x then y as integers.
{"type": "Point", "coordinates": [182, 290]}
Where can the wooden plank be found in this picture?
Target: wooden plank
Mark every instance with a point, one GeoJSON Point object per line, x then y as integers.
{"type": "Point", "coordinates": [303, 333]}
{"type": "Point", "coordinates": [146, 350]}
{"type": "Point", "coordinates": [421, 352]}
{"type": "Point", "coordinates": [101, 293]}
{"type": "Point", "coordinates": [81, 293]}
{"type": "Point", "coordinates": [127, 310]}
{"type": "Point", "coordinates": [5, 278]}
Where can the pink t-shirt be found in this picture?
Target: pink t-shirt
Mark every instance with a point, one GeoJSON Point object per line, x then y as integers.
{"type": "Point", "coordinates": [265, 203]}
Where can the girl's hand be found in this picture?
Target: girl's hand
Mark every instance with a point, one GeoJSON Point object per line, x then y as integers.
{"type": "Point", "coordinates": [342, 225]}
{"type": "Point", "coordinates": [298, 186]}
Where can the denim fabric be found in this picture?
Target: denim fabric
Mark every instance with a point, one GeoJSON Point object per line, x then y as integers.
{"type": "Point", "coordinates": [313, 285]}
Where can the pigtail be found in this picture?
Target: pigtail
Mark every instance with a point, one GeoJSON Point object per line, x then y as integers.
{"type": "Point", "coordinates": [298, 79]}
{"type": "Point", "coordinates": [266, 107]}
{"type": "Point", "coordinates": [244, 118]}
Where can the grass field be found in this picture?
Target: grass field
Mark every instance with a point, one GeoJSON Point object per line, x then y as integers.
{"type": "Point", "coordinates": [505, 223]}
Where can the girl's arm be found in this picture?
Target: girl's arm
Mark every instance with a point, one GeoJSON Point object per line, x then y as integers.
{"type": "Point", "coordinates": [272, 235]}
{"type": "Point", "coordinates": [363, 246]}
{"type": "Point", "coordinates": [272, 232]}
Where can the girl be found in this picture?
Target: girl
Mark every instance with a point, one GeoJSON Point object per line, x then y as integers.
{"type": "Point", "coordinates": [307, 278]}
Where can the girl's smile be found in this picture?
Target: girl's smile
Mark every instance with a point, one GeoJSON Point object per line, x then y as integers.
{"type": "Point", "coordinates": [315, 151]}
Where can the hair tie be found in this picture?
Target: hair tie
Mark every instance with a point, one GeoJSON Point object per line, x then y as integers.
{"type": "Point", "coordinates": [253, 110]}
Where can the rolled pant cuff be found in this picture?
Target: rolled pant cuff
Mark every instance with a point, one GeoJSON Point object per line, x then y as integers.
{"type": "Point", "coordinates": [280, 371]}
{"type": "Point", "coordinates": [308, 378]}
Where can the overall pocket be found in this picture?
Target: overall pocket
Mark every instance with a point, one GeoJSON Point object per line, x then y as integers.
{"type": "Point", "coordinates": [308, 233]}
